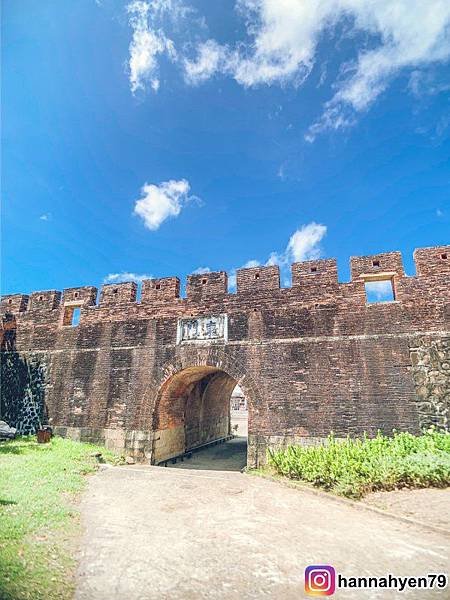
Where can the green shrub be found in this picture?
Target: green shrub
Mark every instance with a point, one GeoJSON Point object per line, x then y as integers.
{"type": "Point", "coordinates": [354, 467]}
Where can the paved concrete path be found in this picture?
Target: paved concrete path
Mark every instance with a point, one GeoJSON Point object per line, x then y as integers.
{"type": "Point", "coordinates": [163, 533]}
{"type": "Point", "coordinates": [230, 456]}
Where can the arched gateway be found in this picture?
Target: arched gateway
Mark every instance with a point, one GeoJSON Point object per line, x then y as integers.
{"type": "Point", "coordinates": [153, 377]}
{"type": "Point", "coordinates": [191, 406]}
{"type": "Point", "coordinates": [192, 409]}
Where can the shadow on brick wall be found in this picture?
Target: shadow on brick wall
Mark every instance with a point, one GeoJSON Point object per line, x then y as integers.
{"type": "Point", "coordinates": [22, 390]}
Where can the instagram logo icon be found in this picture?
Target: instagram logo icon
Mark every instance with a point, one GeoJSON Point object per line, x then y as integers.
{"type": "Point", "coordinates": [320, 580]}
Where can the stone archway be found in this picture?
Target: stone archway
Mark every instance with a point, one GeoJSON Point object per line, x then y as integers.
{"type": "Point", "coordinates": [192, 361]}
{"type": "Point", "coordinates": [192, 408]}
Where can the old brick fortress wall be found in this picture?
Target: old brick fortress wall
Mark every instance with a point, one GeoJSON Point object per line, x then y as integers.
{"type": "Point", "coordinates": [310, 359]}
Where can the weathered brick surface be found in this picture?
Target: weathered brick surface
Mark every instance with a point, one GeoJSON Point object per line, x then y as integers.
{"type": "Point", "coordinates": [310, 359]}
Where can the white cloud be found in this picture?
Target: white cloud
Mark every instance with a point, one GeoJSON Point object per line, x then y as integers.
{"type": "Point", "coordinates": [147, 43]}
{"type": "Point", "coordinates": [405, 33]}
{"type": "Point", "coordinates": [125, 276]}
{"type": "Point", "coordinates": [160, 202]}
{"type": "Point", "coordinates": [211, 57]}
{"type": "Point", "coordinates": [45, 217]}
{"type": "Point", "coordinates": [423, 83]}
{"type": "Point", "coordinates": [283, 36]}
{"type": "Point", "coordinates": [250, 264]}
{"type": "Point", "coordinates": [304, 244]}
{"type": "Point", "coordinates": [281, 47]}
{"type": "Point", "coordinates": [201, 271]}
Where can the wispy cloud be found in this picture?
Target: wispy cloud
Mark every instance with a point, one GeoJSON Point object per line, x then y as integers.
{"type": "Point", "coordinates": [126, 276]}
{"type": "Point", "coordinates": [163, 201]}
{"type": "Point", "coordinates": [405, 34]}
{"type": "Point", "coordinates": [425, 83]}
{"type": "Point", "coordinates": [281, 172]}
{"type": "Point", "coordinates": [211, 58]}
{"type": "Point", "coordinates": [147, 44]}
{"type": "Point", "coordinates": [201, 271]}
{"type": "Point", "coordinates": [45, 217]}
{"type": "Point", "coordinates": [281, 47]}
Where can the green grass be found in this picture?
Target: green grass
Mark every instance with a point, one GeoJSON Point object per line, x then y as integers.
{"type": "Point", "coordinates": [355, 467]}
{"type": "Point", "coordinates": [39, 522]}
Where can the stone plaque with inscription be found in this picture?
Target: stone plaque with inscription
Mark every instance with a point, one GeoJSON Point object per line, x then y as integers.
{"type": "Point", "coordinates": [202, 329]}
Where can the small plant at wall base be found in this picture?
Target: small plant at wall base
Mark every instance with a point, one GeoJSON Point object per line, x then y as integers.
{"type": "Point", "coordinates": [355, 467]}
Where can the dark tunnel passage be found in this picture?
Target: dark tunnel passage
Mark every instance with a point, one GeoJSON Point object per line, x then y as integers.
{"type": "Point", "coordinates": [192, 409]}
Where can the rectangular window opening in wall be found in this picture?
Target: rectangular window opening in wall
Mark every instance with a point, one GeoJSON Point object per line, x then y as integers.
{"type": "Point", "coordinates": [379, 291]}
{"type": "Point", "coordinates": [72, 316]}
{"type": "Point", "coordinates": [76, 316]}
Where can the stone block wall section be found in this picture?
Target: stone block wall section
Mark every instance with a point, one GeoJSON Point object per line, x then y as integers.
{"type": "Point", "coordinates": [431, 369]}
{"type": "Point", "coordinates": [311, 358]}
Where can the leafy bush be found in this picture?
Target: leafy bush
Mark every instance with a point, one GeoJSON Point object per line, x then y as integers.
{"type": "Point", "coordinates": [354, 467]}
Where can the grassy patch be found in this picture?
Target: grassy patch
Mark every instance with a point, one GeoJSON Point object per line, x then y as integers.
{"type": "Point", "coordinates": [355, 467]}
{"type": "Point", "coordinates": [38, 520]}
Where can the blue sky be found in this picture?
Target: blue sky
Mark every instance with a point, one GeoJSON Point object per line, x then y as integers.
{"type": "Point", "coordinates": [159, 138]}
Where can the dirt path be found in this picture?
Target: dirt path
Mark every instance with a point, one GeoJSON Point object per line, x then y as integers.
{"type": "Point", "coordinates": [428, 506]}
{"type": "Point", "coordinates": [178, 534]}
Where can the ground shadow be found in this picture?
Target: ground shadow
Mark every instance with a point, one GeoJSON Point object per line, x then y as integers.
{"type": "Point", "coordinates": [6, 448]}
{"type": "Point", "coordinates": [229, 456]}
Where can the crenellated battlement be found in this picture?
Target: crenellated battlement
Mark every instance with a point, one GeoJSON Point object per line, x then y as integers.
{"type": "Point", "coordinates": [207, 285]}
{"type": "Point", "coordinates": [313, 273]}
{"type": "Point", "coordinates": [14, 303]}
{"type": "Point", "coordinates": [312, 281]}
{"type": "Point", "coordinates": [113, 294]}
{"type": "Point", "coordinates": [80, 296]}
{"type": "Point", "coordinates": [432, 261]}
{"type": "Point", "coordinates": [256, 279]}
{"type": "Point", "coordinates": [44, 301]}
{"type": "Point", "coordinates": [160, 290]}
{"type": "Point", "coordinates": [145, 370]}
